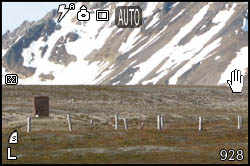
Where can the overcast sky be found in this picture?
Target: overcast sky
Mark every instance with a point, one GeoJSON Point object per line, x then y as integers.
{"type": "Point", "coordinates": [14, 13]}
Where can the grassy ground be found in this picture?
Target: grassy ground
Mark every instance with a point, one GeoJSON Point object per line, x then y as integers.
{"type": "Point", "coordinates": [180, 141]}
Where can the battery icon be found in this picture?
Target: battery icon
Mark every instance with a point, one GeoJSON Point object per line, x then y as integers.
{"type": "Point", "coordinates": [102, 15]}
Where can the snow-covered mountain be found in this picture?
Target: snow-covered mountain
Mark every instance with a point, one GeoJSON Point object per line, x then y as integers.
{"type": "Point", "coordinates": [185, 43]}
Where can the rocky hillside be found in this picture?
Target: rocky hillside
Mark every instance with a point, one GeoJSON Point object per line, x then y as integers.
{"type": "Point", "coordinates": [185, 43]}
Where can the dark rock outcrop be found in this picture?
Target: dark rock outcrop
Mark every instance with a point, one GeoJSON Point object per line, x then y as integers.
{"type": "Point", "coordinates": [45, 77]}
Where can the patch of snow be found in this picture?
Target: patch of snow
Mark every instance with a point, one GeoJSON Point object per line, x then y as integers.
{"type": "Point", "coordinates": [111, 67]}
{"type": "Point", "coordinates": [150, 9]}
{"type": "Point", "coordinates": [121, 4]}
{"type": "Point", "coordinates": [133, 37]}
{"type": "Point", "coordinates": [153, 21]}
{"type": "Point", "coordinates": [117, 82]}
{"type": "Point", "coordinates": [245, 25]}
{"type": "Point", "coordinates": [240, 62]}
{"type": "Point", "coordinates": [27, 52]}
{"type": "Point", "coordinates": [147, 82]}
{"type": "Point", "coordinates": [217, 57]}
{"type": "Point", "coordinates": [175, 4]}
{"type": "Point", "coordinates": [180, 13]}
{"type": "Point", "coordinates": [155, 37]}
{"type": "Point", "coordinates": [224, 13]}
{"type": "Point", "coordinates": [119, 30]}
{"type": "Point", "coordinates": [107, 5]}
{"type": "Point", "coordinates": [4, 52]}
{"type": "Point", "coordinates": [204, 26]}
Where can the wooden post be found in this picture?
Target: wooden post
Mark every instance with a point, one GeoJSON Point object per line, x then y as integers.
{"type": "Point", "coordinates": [162, 122]}
{"type": "Point", "coordinates": [159, 122]}
{"type": "Point", "coordinates": [69, 122]}
{"type": "Point", "coordinates": [125, 124]}
{"type": "Point", "coordinates": [116, 121]}
{"type": "Point", "coordinates": [28, 124]}
{"type": "Point", "coordinates": [239, 122]}
{"type": "Point", "coordinates": [141, 126]}
{"type": "Point", "coordinates": [200, 123]}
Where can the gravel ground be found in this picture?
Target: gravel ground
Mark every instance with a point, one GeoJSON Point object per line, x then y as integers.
{"type": "Point", "coordinates": [132, 102]}
{"type": "Point", "coordinates": [179, 105]}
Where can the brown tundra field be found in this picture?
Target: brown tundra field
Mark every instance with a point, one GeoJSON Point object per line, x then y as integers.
{"type": "Point", "coordinates": [180, 141]}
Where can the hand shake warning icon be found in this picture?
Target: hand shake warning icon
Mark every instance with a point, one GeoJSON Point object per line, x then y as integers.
{"type": "Point", "coordinates": [236, 82]}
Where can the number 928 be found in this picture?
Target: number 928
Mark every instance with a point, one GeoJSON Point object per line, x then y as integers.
{"type": "Point", "coordinates": [231, 155]}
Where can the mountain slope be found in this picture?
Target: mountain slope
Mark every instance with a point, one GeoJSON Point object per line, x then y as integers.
{"type": "Point", "coordinates": [185, 43]}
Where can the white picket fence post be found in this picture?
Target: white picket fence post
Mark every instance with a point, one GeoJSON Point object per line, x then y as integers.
{"type": "Point", "coordinates": [116, 121]}
{"type": "Point", "coordinates": [28, 124]}
{"type": "Point", "coordinates": [159, 122]}
{"type": "Point", "coordinates": [125, 124]}
{"type": "Point", "coordinates": [200, 123]}
{"type": "Point", "coordinates": [239, 122]}
{"type": "Point", "coordinates": [141, 125]}
{"type": "Point", "coordinates": [69, 122]}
